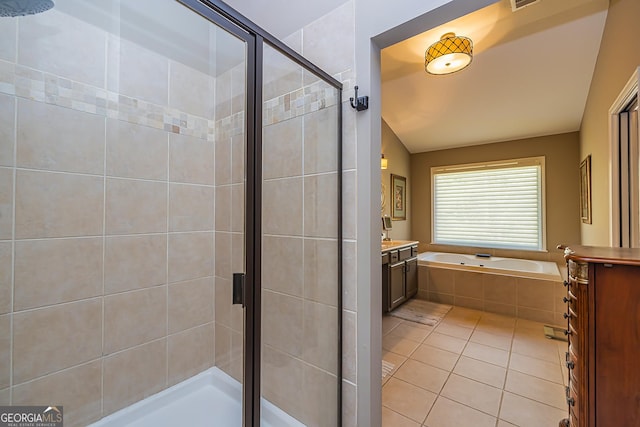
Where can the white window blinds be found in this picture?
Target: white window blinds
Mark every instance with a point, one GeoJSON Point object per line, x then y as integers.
{"type": "Point", "coordinates": [497, 205]}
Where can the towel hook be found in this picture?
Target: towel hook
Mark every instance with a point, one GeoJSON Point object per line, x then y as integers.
{"type": "Point", "coordinates": [362, 102]}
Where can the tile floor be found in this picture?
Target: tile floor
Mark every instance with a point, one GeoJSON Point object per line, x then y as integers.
{"type": "Point", "coordinates": [473, 369]}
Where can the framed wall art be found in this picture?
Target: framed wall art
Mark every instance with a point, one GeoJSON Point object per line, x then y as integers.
{"type": "Point", "coordinates": [398, 197]}
{"type": "Point", "coordinates": [585, 190]}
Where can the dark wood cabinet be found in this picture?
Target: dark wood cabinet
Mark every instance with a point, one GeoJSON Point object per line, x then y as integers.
{"type": "Point", "coordinates": [603, 327]}
{"type": "Point", "coordinates": [399, 275]}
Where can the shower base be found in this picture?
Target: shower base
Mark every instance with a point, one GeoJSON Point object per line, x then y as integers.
{"type": "Point", "coordinates": [211, 398]}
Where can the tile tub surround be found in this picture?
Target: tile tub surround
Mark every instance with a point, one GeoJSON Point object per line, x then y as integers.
{"type": "Point", "coordinates": [525, 298]}
{"type": "Point", "coordinates": [472, 369]}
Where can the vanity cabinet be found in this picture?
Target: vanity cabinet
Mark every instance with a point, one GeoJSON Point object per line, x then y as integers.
{"type": "Point", "coordinates": [603, 327]}
{"type": "Point", "coordinates": [399, 276]}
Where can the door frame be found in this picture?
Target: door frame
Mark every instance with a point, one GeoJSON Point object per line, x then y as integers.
{"type": "Point", "coordinates": [626, 95]}
{"type": "Point", "coordinates": [231, 20]}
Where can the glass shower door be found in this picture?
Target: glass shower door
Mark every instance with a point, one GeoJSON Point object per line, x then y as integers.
{"type": "Point", "coordinates": [300, 291]}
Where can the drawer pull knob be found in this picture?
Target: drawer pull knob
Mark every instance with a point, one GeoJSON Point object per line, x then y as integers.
{"type": "Point", "coordinates": [565, 300]}
{"type": "Point", "coordinates": [565, 283]}
{"type": "Point", "coordinates": [571, 401]}
{"type": "Point", "coordinates": [567, 332]}
{"type": "Point", "coordinates": [571, 365]}
{"type": "Point", "coordinates": [566, 315]}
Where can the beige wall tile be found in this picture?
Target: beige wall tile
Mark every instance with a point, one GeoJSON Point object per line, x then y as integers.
{"type": "Point", "coordinates": [61, 139]}
{"type": "Point", "coordinates": [349, 404]}
{"type": "Point", "coordinates": [441, 298]}
{"type": "Point", "coordinates": [282, 264]}
{"type": "Point", "coordinates": [134, 318]}
{"type": "Point", "coordinates": [282, 152]}
{"type": "Point", "coordinates": [134, 262]}
{"type": "Point", "coordinates": [321, 271]}
{"type": "Point", "coordinates": [135, 206]}
{"type": "Point", "coordinates": [537, 294]}
{"type": "Point", "coordinates": [282, 207]}
{"type": "Point", "coordinates": [223, 95]}
{"type": "Point", "coordinates": [500, 289]}
{"type": "Point", "coordinates": [281, 75]}
{"type": "Point", "coordinates": [7, 124]}
{"type": "Point", "coordinates": [223, 208]}
{"type": "Point", "coordinates": [58, 205]}
{"type": "Point", "coordinates": [282, 322]}
{"type": "Point", "coordinates": [468, 284]}
{"type": "Point", "coordinates": [223, 348]}
{"type": "Point", "coordinates": [8, 40]}
{"type": "Point", "coordinates": [5, 277]}
{"type": "Point", "coordinates": [349, 276]}
{"type": "Point", "coordinates": [349, 346]}
{"type": "Point", "coordinates": [282, 379]}
{"type": "Point", "coordinates": [349, 205]}
{"type": "Point", "coordinates": [223, 152]}
{"type": "Point", "coordinates": [476, 304]}
{"type": "Point", "coordinates": [190, 256]}
{"type": "Point", "coordinates": [190, 304]}
{"type": "Point", "coordinates": [238, 158]}
{"type": "Point", "coordinates": [6, 203]}
{"type": "Point", "coordinates": [329, 40]}
{"type": "Point", "coordinates": [320, 336]}
{"type": "Point", "coordinates": [190, 160]}
{"type": "Point", "coordinates": [185, 363]}
{"type": "Point", "coordinates": [238, 90]}
{"type": "Point", "coordinates": [78, 389]}
{"type": "Point", "coordinates": [321, 206]}
{"type": "Point", "coordinates": [348, 137]}
{"type": "Point", "coordinates": [237, 355]}
{"type": "Point", "coordinates": [136, 151]}
{"type": "Point", "coordinates": [237, 208]}
{"type": "Point", "coordinates": [5, 350]}
{"type": "Point", "coordinates": [49, 339]}
{"type": "Point", "coordinates": [321, 140]}
{"type": "Point", "coordinates": [423, 278]}
{"type": "Point", "coordinates": [134, 374]}
{"type": "Point", "coordinates": [223, 255]}
{"type": "Point", "coordinates": [441, 280]}
{"type": "Point", "coordinates": [5, 397]}
{"type": "Point", "coordinates": [56, 42]}
{"type": "Point", "coordinates": [57, 271]}
{"type": "Point", "coordinates": [137, 72]}
{"type": "Point", "coordinates": [237, 252]}
{"type": "Point", "coordinates": [541, 316]}
{"type": "Point", "coordinates": [192, 91]}
{"type": "Point", "coordinates": [191, 207]}
{"type": "Point", "coordinates": [320, 397]}
{"type": "Point", "coordinates": [223, 292]}
{"type": "Point", "coordinates": [505, 309]}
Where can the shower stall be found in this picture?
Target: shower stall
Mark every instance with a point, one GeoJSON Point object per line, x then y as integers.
{"type": "Point", "coordinates": [170, 217]}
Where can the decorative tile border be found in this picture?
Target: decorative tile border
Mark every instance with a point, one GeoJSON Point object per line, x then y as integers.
{"type": "Point", "coordinates": [28, 83]}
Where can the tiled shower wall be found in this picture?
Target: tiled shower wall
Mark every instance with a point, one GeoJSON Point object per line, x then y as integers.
{"type": "Point", "coordinates": [116, 190]}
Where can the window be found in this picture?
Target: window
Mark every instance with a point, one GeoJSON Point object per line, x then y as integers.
{"type": "Point", "coordinates": [493, 205]}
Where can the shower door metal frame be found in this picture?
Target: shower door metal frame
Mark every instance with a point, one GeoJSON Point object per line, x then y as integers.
{"type": "Point", "coordinates": [231, 20]}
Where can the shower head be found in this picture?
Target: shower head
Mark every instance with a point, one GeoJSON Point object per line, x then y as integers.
{"type": "Point", "coordinates": [15, 8]}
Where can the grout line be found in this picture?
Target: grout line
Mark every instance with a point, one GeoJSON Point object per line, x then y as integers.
{"type": "Point", "coordinates": [104, 248]}
{"type": "Point", "coordinates": [13, 239]}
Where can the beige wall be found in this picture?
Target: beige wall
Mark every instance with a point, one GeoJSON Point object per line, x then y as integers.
{"type": "Point", "coordinates": [399, 161]}
{"type": "Point", "coordinates": [562, 185]}
{"type": "Point", "coordinates": [619, 56]}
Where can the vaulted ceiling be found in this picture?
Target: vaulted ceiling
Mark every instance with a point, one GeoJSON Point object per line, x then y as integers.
{"type": "Point", "coordinates": [530, 76]}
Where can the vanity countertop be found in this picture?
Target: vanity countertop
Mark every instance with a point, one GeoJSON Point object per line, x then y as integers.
{"type": "Point", "coordinates": [389, 245]}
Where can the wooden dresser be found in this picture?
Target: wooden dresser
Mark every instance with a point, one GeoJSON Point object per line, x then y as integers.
{"type": "Point", "coordinates": [603, 327]}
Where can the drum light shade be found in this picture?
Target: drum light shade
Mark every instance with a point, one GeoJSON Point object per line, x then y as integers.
{"type": "Point", "coordinates": [449, 54]}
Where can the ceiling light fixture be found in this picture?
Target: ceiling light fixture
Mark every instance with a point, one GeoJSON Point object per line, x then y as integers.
{"type": "Point", "coordinates": [449, 54]}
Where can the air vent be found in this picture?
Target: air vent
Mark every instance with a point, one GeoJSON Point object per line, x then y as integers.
{"type": "Point", "coordinates": [519, 4]}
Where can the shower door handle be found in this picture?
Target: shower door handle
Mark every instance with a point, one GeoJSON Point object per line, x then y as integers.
{"type": "Point", "coordinates": [238, 288]}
